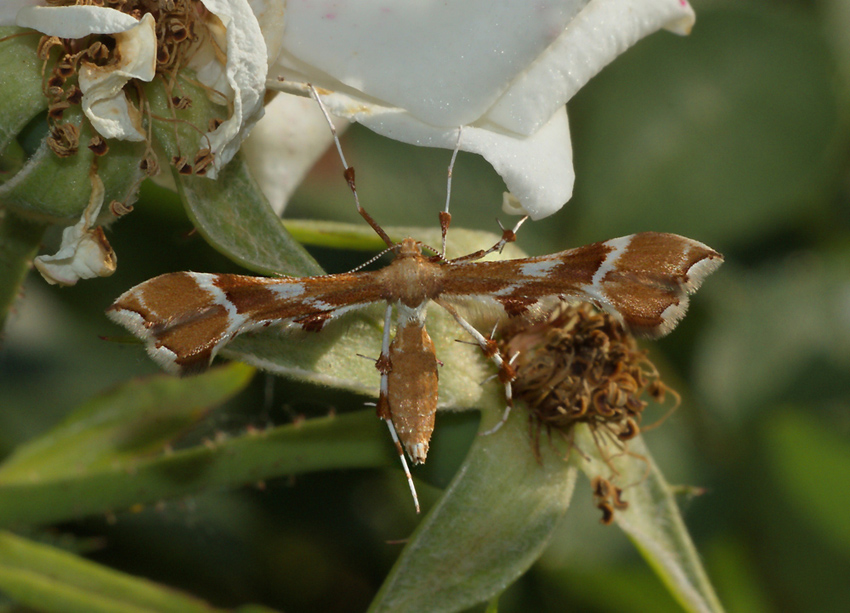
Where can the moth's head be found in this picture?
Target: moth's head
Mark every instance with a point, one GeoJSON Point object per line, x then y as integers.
{"type": "Point", "coordinates": [409, 248]}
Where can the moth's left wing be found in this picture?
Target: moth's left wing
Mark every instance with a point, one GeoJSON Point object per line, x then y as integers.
{"type": "Point", "coordinates": [643, 279]}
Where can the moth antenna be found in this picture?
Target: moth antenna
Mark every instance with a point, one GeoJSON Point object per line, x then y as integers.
{"type": "Point", "coordinates": [445, 216]}
{"type": "Point", "coordinates": [372, 260]}
{"type": "Point", "coordinates": [436, 252]}
{"type": "Point", "coordinates": [348, 171]}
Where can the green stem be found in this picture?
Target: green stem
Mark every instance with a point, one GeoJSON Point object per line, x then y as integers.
{"type": "Point", "coordinates": [19, 241]}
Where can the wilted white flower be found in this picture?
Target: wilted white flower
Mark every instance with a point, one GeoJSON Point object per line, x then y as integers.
{"type": "Point", "coordinates": [84, 252]}
{"type": "Point", "coordinates": [231, 61]}
{"type": "Point", "coordinates": [220, 40]}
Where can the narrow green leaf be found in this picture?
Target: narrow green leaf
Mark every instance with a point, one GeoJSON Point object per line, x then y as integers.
{"type": "Point", "coordinates": [652, 521]}
{"type": "Point", "coordinates": [491, 524]}
{"type": "Point", "coordinates": [334, 234]}
{"type": "Point", "coordinates": [35, 489]}
{"type": "Point", "coordinates": [230, 212]}
{"type": "Point", "coordinates": [340, 235]}
{"type": "Point", "coordinates": [52, 580]}
{"type": "Point", "coordinates": [128, 423]}
{"type": "Point", "coordinates": [235, 218]}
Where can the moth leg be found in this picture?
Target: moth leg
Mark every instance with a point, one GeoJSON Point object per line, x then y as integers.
{"type": "Point", "coordinates": [506, 375]}
{"type": "Point", "coordinates": [383, 366]}
{"type": "Point", "coordinates": [445, 216]}
{"type": "Point", "coordinates": [407, 474]}
{"type": "Point", "coordinates": [348, 171]}
{"type": "Point", "coordinates": [508, 236]}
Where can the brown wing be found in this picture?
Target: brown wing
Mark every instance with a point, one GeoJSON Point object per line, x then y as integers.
{"type": "Point", "coordinates": [185, 317]}
{"type": "Point", "coordinates": [644, 279]}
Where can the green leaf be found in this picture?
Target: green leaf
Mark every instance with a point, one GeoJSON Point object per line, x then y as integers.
{"type": "Point", "coordinates": [652, 521]}
{"type": "Point", "coordinates": [112, 453]}
{"type": "Point", "coordinates": [335, 234]}
{"type": "Point", "coordinates": [132, 421]}
{"type": "Point", "coordinates": [810, 464]}
{"type": "Point", "coordinates": [230, 212]}
{"type": "Point", "coordinates": [359, 236]}
{"type": "Point", "coordinates": [234, 216]}
{"type": "Point", "coordinates": [52, 580]}
{"type": "Point", "coordinates": [492, 523]}
{"type": "Point", "coordinates": [334, 357]}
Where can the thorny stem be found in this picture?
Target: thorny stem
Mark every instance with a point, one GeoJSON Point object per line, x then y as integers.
{"type": "Point", "coordinates": [19, 241]}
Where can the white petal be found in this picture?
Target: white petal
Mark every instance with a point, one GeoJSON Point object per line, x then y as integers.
{"type": "Point", "coordinates": [270, 15]}
{"type": "Point", "coordinates": [9, 10]}
{"type": "Point", "coordinates": [444, 62]}
{"type": "Point", "coordinates": [536, 169]}
{"type": "Point", "coordinates": [84, 252]}
{"type": "Point", "coordinates": [503, 69]}
{"type": "Point", "coordinates": [285, 144]}
{"type": "Point", "coordinates": [511, 205]}
{"type": "Point", "coordinates": [245, 77]}
{"type": "Point", "coordinates": [74, 21]}
{"type": "Point", "coordinates": [598, 34]}
{"type": "Point", "coordinates": [104, 101]}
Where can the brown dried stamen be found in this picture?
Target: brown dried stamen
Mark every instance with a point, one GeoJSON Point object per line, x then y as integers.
{"type": "Point", "coordinates": [64, 140]}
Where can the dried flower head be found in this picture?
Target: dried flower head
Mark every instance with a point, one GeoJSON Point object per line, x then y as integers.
{"type": "Point", "coordinates": [580, 366]}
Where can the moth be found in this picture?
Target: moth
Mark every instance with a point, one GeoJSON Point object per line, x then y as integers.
{"type": "Point", "coordinates": [643, 279]}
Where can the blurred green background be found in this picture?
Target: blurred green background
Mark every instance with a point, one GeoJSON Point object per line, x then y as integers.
{"type": "Point", "coordinates": [736, 136]}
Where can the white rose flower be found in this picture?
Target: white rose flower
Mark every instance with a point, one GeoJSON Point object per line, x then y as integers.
{"type": "Point", "coordinates": [502, 69]}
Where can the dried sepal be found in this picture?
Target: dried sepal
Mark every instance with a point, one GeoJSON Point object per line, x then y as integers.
{"type": "Point", "coordinates": [85, 252]}
{"type": "Point", "coordinates": [98, 145]}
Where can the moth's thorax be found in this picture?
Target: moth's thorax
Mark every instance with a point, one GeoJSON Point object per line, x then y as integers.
{"type": "Point", "coordinates": [411, 278]}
